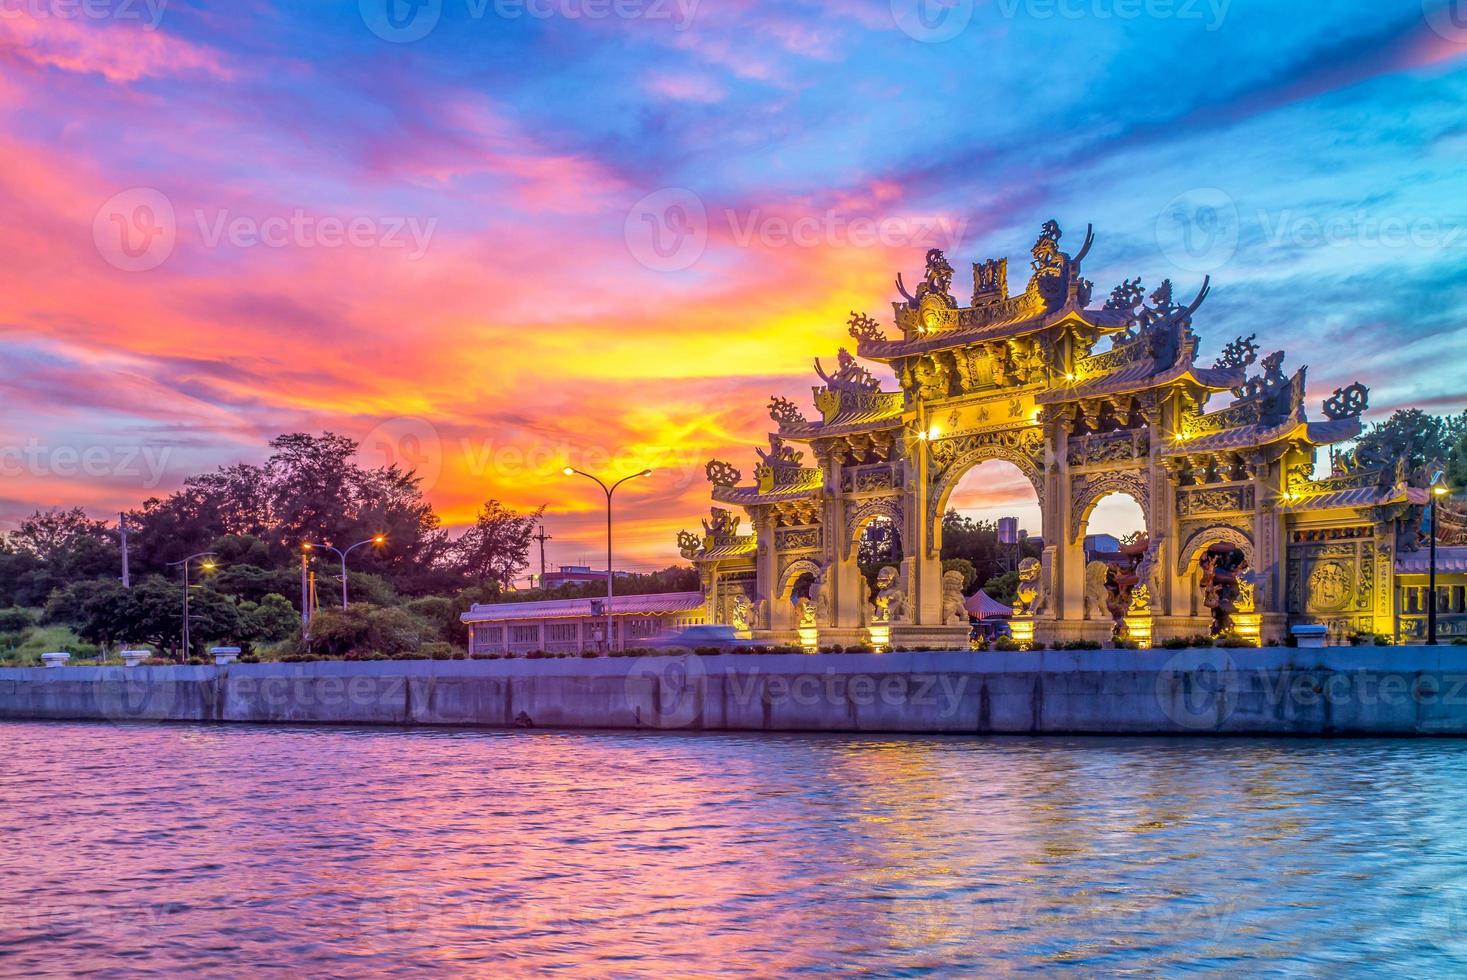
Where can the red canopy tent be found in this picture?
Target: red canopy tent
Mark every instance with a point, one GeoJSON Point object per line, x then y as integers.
{"type": "Point", "coordinates": [983, 606]}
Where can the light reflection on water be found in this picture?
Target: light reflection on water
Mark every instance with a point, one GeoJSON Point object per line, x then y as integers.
{"type": "Point", "coordinates": [349, 852]}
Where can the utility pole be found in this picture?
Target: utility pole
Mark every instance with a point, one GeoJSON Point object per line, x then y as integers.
{"type": "Point", "coordinates": [122, 533]}
{"type": "Point", "coordinates": [542, 537]}
{"type": "Point", "coordinates": [305, 597]}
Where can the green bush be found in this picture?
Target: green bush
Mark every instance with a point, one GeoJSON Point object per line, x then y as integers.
{"type": "Point", "coordinates": [1176, 643]}
{"type": "Point", "coordinates": [438, 650]}
{"type": "Point", "coordinates": [1006, 644]}
{"type": "Point", "coordinates": [1234, 643]}
{"type": "Point", "coordinates": [1036, 647]}
{"type": "Point", "coordinates": [16, 620]}
{"type": "Point", "coordinates": [362, 627]}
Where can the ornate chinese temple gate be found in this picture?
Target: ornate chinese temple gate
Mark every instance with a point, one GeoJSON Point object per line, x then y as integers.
{"type": "Point", "coordinates": [1086, 400]}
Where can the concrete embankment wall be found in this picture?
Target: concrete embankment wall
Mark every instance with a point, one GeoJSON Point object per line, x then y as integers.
{"type": "Point", "coordinates": [1350, 691]}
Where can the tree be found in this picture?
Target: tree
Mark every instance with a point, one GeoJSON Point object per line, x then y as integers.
{"type": "Point", "coordinates": [1414, 435]}
{"type": "Point", "coordinates": [497, 547]}
{"type": "Point", "coordinates": [970, 574]}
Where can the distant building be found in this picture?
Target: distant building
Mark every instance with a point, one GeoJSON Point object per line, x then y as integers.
{"type": "Point", "coordinates": [573, 575]}
{"type": "Point", "coordinates": [574, 625]}
{"type": "Point", "coordinates": [1102, 547]}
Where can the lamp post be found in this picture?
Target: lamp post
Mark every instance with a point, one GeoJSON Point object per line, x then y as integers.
{"type": "Point", "coordinates": [572, 471]}
{"type": "Point", "coordinates": [206, 566]}
{"type": "Point", "coordinates": [378, 539]}
{"type": "Point", "coordinates": [1439, 490]}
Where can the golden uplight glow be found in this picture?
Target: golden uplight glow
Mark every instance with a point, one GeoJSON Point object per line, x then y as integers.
{"type": "Point", "coordinates": [1138, 628]}
{"type": "Point", "coordinates": [1249, 626]}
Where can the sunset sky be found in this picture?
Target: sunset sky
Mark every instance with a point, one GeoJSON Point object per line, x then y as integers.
{"type": "Point", "coordinates": [488, 238]}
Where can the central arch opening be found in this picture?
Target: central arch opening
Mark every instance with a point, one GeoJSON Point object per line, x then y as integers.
{"type": "Point", "coordinates": [992, 522]}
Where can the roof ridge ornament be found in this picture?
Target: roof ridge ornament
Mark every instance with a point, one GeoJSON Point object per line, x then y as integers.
{"type": "Point", "coordinates": [785, 412]}
{"type": "Point", "coordinates": [1349, 402]}
{"type": "Point", "coordinates": [780, 455]}
{"type": "Point", "coordinates": [865, 329]}
{"type": "Point", "coordinates": [722, 474]}
{"type": "Point", "coordinates": [937, 282]}
{"type": "Point", "coordinates": [849, 376]}
{"type": "Point", "coordinates": [1239, 354]}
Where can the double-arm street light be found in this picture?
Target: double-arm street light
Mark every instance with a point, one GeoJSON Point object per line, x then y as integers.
{"type": "Point", "coordinates": [206, 566]}
{"type": "Point", "coordinates": [378, 539]}
{"type": "Point", "coordinates": [572, 471]}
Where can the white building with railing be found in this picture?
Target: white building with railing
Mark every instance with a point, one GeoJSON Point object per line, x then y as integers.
{"type": "Point", "coordinates": [574, 625]}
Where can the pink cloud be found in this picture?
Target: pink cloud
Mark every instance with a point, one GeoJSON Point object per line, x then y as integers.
{"type": "Point", "coordinates": [686, 88]}
{"type": "Point", "coordinates": [119, 52]}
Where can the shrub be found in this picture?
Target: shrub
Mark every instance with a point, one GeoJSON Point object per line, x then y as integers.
{"type": "Point", "coordinates": [16, 620]}
{"type": "Point", "coordinates": [1234, 643]}
{"type": "Point", "coordinates": [1006, 644]}
{"type": "Point", "coordinates": [1201, 642]}
{"type": "Point", "coordinates": [707, 651]}
{"type": "Point", "coordinates": [408, 655]}
{"type": "Point", "coordinates": [1127, 645]}
{"type": "Point", "coordinates": [438, 650]}
{"type": "Point", "coordinates": [1036, 647]}
{"type": "Point", "coordinates": [860, 648]}
{"type": "Point", "coordinates": [1460, 641]}
{"type": "Point", "coordinates": [1175, 643]}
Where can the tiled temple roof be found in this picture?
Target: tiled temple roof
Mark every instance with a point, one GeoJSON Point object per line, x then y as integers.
{"type": "Point", "coordinates": [1357, 497]}
{"type": "Point", "coordinates": [1139, 377]}
{"type": "Point", "coordinates": [622, 605]}
{"type": "Point", "coordinates": [750, 496]}
{"type": "Point", "coordinates": [1449, 561]}
{"type": "Point", "coordinates": [1251, 436]}
{"type": "Point", "coordinates": [1024, 322]}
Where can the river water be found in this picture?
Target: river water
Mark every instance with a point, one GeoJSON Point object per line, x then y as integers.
{"type": "Point", "coordinates": [341, 852]}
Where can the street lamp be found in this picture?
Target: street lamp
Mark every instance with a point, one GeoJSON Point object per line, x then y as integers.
{"type": "Point", "coordinates": [572, 471]}
{"type": "Point", "coordinates": [1439, 489]}
{"type": "Point", "coordinates": [377, 539]}
{"type": "Point", "coordinates": [207, 566]}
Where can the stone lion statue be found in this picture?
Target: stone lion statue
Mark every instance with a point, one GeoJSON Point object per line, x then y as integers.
{"type": "Point", "coordinates": [890, 605]}
{"type": "Point", "coordinates": [1097, 598]}
{"type": "Point", "coordinates": [1030, 570]}
{"type": "Point", "coordinates": [741, 613]}
{"type": "Point", "coordinates": [954, 611]}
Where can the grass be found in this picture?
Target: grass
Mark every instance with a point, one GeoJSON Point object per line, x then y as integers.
{"type": "Point", "coordinates": [43, 639]}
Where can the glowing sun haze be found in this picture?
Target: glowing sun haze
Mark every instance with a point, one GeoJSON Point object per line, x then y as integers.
{"type": "Point", "coordinates": [439, 245]}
